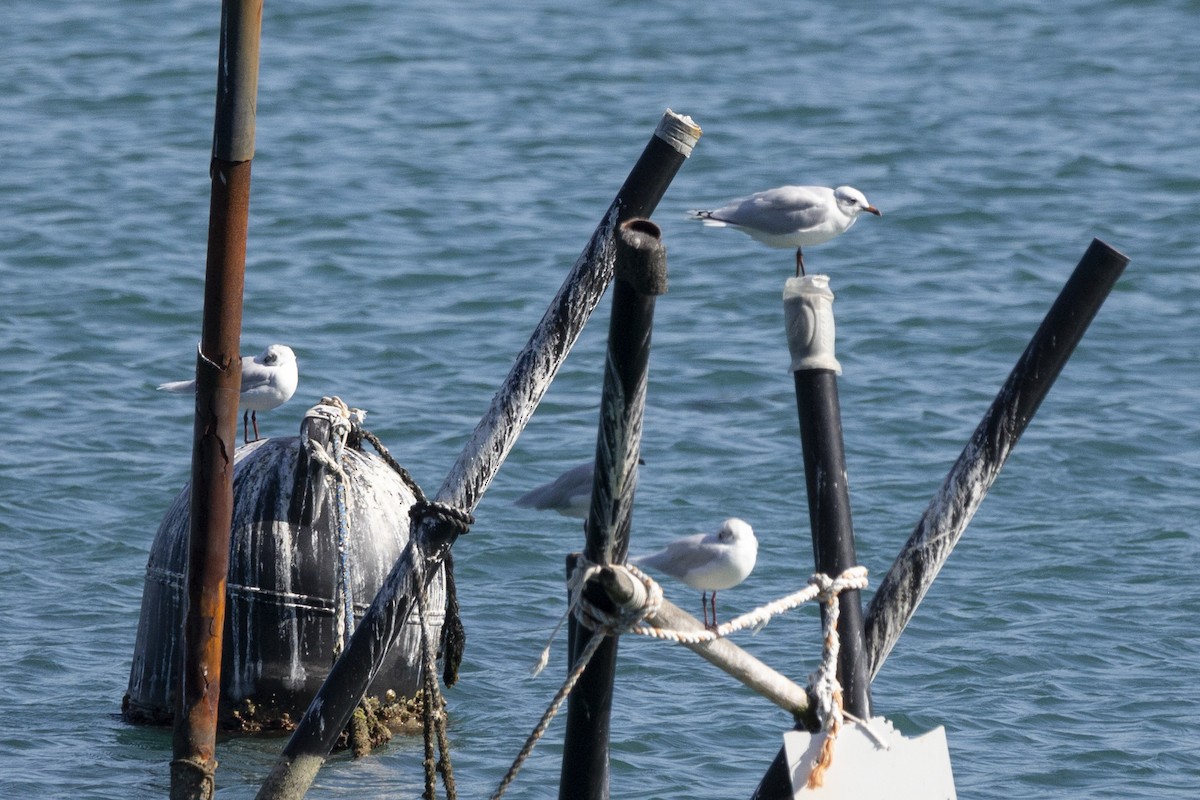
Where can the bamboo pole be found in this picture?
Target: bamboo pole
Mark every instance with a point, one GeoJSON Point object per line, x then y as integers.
{"type": "Point", "coordinates": [218, 381]}
{"type": "Point", "coordinates": [477, 464]}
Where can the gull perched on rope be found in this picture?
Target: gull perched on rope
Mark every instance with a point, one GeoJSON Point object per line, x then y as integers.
{"type": "Point", "coordinates": [708, 561]}
{"type": "Point", "coordinates": [791, 216]}
{"type": "Point", "coordinates": [268, 381]}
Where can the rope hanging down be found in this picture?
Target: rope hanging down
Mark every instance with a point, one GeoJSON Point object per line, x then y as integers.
{"type": "Point", "coordinates": [347, 433]}
{"type": "Point", "coordinates": [825, 684]}
{"type": "Point", "coordinates": [434, 714]}
{"type": "Point", "coordinates": [631, 620]}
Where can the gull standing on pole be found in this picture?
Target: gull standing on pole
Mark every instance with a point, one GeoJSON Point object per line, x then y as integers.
{"type": "Point", "coordinates": [792, 216]}
{"type": "Point", "coordinates": [268, 381]}
{"type": "Point", "coordinates": [708, 561]}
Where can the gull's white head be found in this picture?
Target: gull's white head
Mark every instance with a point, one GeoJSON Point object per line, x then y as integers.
{"type": "Point", "coordinates": [852, 202]}
{"type": "Point", "coordinates": [736, 531]}
{"type": "Point", "coordinates": [277, 355]}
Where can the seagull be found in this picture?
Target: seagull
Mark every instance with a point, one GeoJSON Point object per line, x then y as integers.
{"type": "Point", "coordinates": [268, 381]}
{"type": "Point", "coordinates": [708, 561]}
{"type": "Point", "coordinates": [792, 216]}
{"type": "Point", "coordinates": [570, 494]}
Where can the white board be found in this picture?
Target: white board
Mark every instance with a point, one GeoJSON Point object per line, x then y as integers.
{"type": "Point", "coordinates": [885, 765]}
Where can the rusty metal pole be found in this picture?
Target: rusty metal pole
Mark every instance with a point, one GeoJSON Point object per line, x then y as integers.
{"type": "Point", "coordinates": [218, 382]}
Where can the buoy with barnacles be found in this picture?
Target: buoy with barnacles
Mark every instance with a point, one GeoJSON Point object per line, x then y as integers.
{"type": "Point", "coordinates": [317, 525]}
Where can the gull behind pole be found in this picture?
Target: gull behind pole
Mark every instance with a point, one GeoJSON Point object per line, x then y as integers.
{"type": "Point", "coordinates": [218, 382]}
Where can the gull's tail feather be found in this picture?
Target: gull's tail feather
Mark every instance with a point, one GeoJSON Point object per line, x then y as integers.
{"type": "Point", "coordinates": [178, 387]}
{"type": "Point", "coordinates": [707, 218]}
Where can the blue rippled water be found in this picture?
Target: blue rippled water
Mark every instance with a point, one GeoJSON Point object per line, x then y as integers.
{"type": "Point", "coordinates": [425, 176]}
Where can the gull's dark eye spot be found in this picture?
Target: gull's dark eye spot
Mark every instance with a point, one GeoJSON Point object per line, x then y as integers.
{"type": "Point", "coordinates": [270, 359]}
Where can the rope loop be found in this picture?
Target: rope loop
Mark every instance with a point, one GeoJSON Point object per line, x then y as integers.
{"type": "Point", "coordinates": [824, 682]}
{"type": "Point", "coordinates": [647, 599]}
{"type": "Point", "coordinates": [446, 517]}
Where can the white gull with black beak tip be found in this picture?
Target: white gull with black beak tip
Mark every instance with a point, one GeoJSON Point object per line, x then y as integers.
{"type": "Point", "coordinates": [268, 381]}
{"type": "Point", "coordinates": [792, 216]}
{"type": "Point", "coordinates": [708, 561]}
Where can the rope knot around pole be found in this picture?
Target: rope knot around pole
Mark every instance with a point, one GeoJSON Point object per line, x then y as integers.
{"type": "Point", "coordinates": [622, 617]}
{"type": "Point", "coordinates": [192, 776]}
{"type": "Point", "coordinates": [644, 602]}
{"type": "Point", "coordinates": [447, 517]}
{"type": "Point", "coordinates": [825, 684]}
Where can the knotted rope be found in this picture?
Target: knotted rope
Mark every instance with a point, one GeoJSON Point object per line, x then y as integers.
{"type": "Point", "coordinates": [602, 624]}
{"type": "Point", "coordinates": [818, 584]}
{"type": "Point", "coordinates": [631, 619]}
{"type": "Point", "coordinates": [347, 433]}
{"type": "Point", "coordinates": [335, 412]}
{"type": "Point", "coordinates": [825, 684]}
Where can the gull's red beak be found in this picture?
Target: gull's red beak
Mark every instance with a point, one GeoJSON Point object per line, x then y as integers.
{"type": "Point", "coordinates": [874, 211]}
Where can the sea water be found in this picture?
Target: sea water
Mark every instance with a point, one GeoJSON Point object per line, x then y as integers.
{"type": "Point", "coordinates": [425, 176]}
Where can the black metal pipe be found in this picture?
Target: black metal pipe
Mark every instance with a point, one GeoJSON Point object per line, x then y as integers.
{"type": "Point", "coordinates": [218, 383]}
{"type": "Point", "coordinates": [976, 469]}
{"type": "Point", "coordinates": [829, 517]}
{"type": "Point", "coordinates": [809, 322]}
{"type": "Point", "coordinates": [481, 457]}
{"type": "Point", "coordinates": [641, 275]}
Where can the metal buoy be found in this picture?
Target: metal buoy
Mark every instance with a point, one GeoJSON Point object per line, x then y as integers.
{"type": "Point", "coordinates": [302, 554]}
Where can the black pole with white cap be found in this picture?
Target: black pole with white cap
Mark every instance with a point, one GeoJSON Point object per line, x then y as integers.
{"type": "Point", "coordinates": [808, 316]}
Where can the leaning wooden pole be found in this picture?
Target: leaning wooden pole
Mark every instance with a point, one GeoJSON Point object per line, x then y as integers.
{"type": "Point", "coordinates": [962, 491]}
{"type": "Point", "coordinates": [641, 275]}
{"type": "Point", "coordinates": [494, 436]}
{"type": "Point", "coordinates": [218, 381]}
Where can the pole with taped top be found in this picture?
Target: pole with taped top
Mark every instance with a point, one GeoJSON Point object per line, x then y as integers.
{"type": "Point", "coordinates": [808, 313]}
{"type": "Point", "coordinates": [218, 382]}
{"type": "Point", "coordinates": [477, 464]}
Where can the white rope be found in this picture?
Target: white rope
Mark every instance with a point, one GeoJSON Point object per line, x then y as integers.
{"type": "Point", "coordinates": [819, 586]}
{"type": "Point", "coordinates": [824, 681]}
{"type": "Point", "coordinates": [631, 620]}
{"type": "Point", "coordinates": [602, 624]}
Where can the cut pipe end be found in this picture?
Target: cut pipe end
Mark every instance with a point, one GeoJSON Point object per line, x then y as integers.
{"type": "Point", "coordinates": [641, 258]}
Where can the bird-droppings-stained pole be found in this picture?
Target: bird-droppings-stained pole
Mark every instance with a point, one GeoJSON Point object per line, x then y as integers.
{"type": "Point", "coordinates": [477, 464]}
{"type": "Point", "coordinates": [951, 509]}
